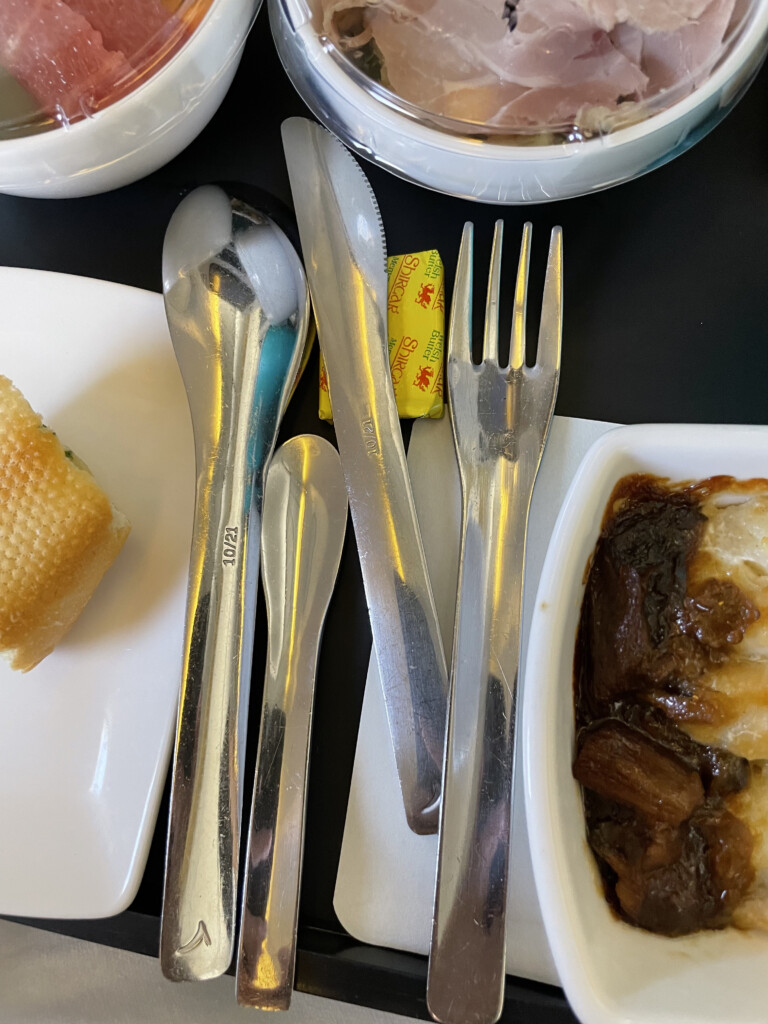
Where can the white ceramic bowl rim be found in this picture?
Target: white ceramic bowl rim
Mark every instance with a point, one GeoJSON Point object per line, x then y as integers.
{"type": "Point", "coordinates": [142, 92]}
{"type": "Point", "coordinates": [751, 36]}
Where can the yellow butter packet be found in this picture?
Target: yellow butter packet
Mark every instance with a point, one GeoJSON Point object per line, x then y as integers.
{"type": "Point", "coordinates": [416, 330]}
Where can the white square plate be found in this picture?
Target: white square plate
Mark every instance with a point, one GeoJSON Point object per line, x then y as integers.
{"type": "Point", "coordinates": [85, 737]}
{"type": "Point", "coordinates": [613, 973]}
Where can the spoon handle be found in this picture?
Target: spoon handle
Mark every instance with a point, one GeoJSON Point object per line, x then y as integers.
{"type": "Point", "coordinates": [305, 513]}
{"type": "Point", "coordinates": [197, 932]}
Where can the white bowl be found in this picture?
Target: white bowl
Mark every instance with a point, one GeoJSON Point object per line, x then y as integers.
{"type": "Point", "coordinates": [490, 171]}
{"type": "Point", "coordinates": [142, 131]}
{"type": "Point", "coordinates": [611, 972]}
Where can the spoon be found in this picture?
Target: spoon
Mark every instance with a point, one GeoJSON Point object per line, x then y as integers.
{"type": "Point", "coordinates": [305, 515]}
{"type": "Point", "coordinates": [238, 309]}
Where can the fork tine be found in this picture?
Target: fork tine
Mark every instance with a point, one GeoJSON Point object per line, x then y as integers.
{"type": "Point", "coordinates": [460, 330]}
{"type": "Point", "coordinates": [517, 341]}
{"type": "Point", "coordinates": [551, 324]}
{"type": "Point", "coordinates": [491, 330]}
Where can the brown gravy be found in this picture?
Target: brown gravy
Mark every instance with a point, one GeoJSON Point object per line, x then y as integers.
{"type": "Point", "coordinates": [672, 856]}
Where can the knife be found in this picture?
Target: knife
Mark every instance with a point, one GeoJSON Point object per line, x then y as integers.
{"type": "Point", "coordinates": [344, 252]}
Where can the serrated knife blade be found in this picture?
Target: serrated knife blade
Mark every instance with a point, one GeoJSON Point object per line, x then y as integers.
{"type": "Point", "coordinates": [345, 260]}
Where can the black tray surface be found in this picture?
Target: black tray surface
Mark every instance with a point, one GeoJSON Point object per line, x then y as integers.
{"type": "Point", "coordinates": [665, 313]}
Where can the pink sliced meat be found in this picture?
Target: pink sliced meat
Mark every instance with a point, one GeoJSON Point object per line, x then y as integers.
{"type": "Point", "coordinates": [555, 106]}
{"type": "Point", "coordinates": [534, 63]}
{"type": "Point", "coordinates": [549, 46]}
{"type": "Point", "coordinates": [689, 54]}
{"type": "Point", "coordinates": [628, 40]}
{"type": "Point", "coordinates": [58, 57]}
{"type": "Point", "coordinates": [454, 58]}
{"type": "Point", "coordinates": [647, 15]}
{"type": "Point", "coordinates": [141, 25]}
{"type": "Point", "coordinates": [555, 45]}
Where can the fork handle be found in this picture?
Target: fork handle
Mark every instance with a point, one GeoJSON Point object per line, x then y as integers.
{"type": "Point", "coordinates": [467, 957]}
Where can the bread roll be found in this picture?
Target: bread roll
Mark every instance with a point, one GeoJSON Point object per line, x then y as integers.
{"type": "Point", "coordinates": [59, 534]}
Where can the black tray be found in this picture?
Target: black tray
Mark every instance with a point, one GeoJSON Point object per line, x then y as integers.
{"type": "Point", "coordinates": [665, 310]}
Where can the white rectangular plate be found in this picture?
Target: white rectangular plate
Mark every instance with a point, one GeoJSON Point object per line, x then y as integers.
{"type": "Point", "coordinates": [85, 737]}
{"type": "Point", "coordinates": [385, 885]}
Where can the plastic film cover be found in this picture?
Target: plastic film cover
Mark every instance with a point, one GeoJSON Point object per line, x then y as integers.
{"type": "Point", "coordinates": [64, 60]}
{"type": "Point", "coordinates": [540, 70]}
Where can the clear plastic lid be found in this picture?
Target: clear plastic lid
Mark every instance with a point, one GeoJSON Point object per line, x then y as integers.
{"type": "Point", "coordinates": [536, 70]}
{"type": "Point", "coordinates": [64, 60]}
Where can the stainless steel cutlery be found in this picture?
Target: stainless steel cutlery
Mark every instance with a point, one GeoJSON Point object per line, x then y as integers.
{"type": "Point", "coordinates": [305, 516]}
{"type": "Point", "coordinates": [237, 307]}
{"type": "Point", "coordinates": [500, 415]}
{"type": "Point", "coordinates": [345, 258]}
{"type": "Point", "coordinates": [238, 312]}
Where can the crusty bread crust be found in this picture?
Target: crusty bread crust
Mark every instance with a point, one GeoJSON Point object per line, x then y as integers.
{"type": "Point", "coordinates": [58, 534]}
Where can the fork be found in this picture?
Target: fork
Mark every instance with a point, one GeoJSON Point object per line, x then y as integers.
{"type": "Point", "coordinates": [500, 417]}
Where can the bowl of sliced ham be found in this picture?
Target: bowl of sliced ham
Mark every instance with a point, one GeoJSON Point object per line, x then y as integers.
{"type": "Point", "coordinates": [520, 101]}
{"type": "Point", "coordinates": [96, 94]}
